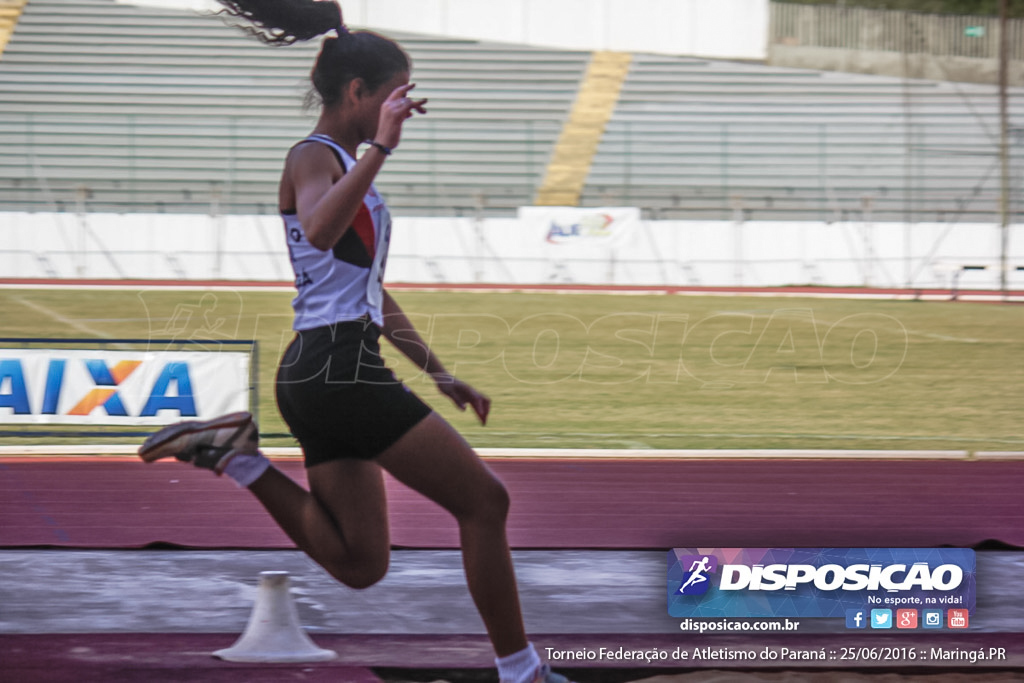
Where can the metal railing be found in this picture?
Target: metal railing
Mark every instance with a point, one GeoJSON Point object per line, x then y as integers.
{"type": "Point", "coordinates": [70, 163]}
{"type": "Point", "coordinates": [859, 28]}
{"type": "Point", "coordinates": [796, 171]}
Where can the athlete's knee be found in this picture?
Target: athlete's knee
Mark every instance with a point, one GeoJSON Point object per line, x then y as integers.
{"type": "Point", "coordinates": [359, 571]}
{"type": "Point", "coordinates": [489, 504]}
{"type": "Point", "coordinates": [499, 501]}
{"type": "Point", "coordinates": [362, 578]}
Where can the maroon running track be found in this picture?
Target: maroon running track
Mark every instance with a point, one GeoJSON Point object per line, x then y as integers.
{"type": "Point", "coordinates": [614, 504]}
{"type": "Point", "coordinates": [599, 504]}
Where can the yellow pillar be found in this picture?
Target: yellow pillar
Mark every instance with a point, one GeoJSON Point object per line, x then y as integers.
{"type": "Point", "coordinates": [574, 152]}
{"type": "Point", "coordinates": [10, 12]}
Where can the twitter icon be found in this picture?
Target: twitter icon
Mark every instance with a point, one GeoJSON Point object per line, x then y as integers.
{"type": "Point", "coordinates": [881, 618]}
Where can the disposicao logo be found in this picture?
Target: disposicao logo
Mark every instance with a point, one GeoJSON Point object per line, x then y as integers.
{"type": "Point", "coordinates": [894, 577]}
{"type": "Point", "coordinates": [697, 580]}
{"type": "Point", "coordinates": [822, 582]}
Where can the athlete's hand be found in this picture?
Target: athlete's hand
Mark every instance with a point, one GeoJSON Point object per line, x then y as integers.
{"type": "Point", "coordinates": [393, 113]}
{"type": "Point", "coordinates": [462, 395]}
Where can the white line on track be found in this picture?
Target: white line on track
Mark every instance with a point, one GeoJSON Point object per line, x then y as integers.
{"type": "Point", "coordinates": [713, 435]}
{"type": "Point", "coordinates": [582, 453]}
{"type": "Point", "coordinates": [824, 293]}
{"type": "Point", "coordinates": [63, 320]}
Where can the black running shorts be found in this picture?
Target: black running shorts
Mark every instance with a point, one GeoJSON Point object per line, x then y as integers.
{"type": "Point", "coordinates": [338, 398]}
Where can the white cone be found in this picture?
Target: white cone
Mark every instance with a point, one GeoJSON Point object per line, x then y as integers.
{"type": "Point", "coordinates": [273, 633]}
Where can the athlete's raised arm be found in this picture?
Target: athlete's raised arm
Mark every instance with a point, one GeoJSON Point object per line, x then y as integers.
{"type": "Point", "coordinates": [327, 197]}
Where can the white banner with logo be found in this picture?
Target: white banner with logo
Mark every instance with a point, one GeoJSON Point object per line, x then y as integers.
{"type": "Point", "coordinates": [566, 225]}
{"type": "Point", "coordinates": [57, 386]}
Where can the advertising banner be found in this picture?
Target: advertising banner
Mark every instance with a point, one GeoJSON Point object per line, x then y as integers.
{"type": "Point", "coordinates": [877, 588]}
{"type": "Point", "coordinates": [562, 225]}
{"type": "Point", "coordinates": [98, 387]}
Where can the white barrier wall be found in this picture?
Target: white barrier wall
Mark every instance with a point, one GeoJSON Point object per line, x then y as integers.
{"type": "Point", "coordinates": [725, 29]}
{"type": "Point", "coordinates": [524, 251]}
{"type": "Point", "coordinates": [728, 29]}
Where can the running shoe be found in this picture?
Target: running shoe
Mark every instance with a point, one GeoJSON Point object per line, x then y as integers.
{"type": "Point", "coordinates": [209, 444]}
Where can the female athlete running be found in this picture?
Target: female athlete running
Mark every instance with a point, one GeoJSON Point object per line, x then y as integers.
{"type": "Point", "coordinates": [352, 417]}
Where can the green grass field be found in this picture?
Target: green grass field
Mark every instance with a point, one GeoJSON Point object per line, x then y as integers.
{"type": "Point", "coordinates": [613, 371]}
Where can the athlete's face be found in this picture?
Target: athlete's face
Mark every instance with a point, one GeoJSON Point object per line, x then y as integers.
{"type": "Point", "coordinates": [373, 100]}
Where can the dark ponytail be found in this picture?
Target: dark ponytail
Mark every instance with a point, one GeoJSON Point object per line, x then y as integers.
{"type": "Point", "coordinates": [342, 59]}
{"type": "Point", "coordinates": [282, 22]}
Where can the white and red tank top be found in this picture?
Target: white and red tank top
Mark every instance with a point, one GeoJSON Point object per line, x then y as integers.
{"type": "Point", "coordinates": [347, 281]}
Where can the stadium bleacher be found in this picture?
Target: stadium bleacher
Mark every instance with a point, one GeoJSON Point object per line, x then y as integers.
{"type": "Point", "coordinates": [698, 139]}
{"type": "Point", "coordinates": [107, 106]}
{"type": "Point", "coordinates": [114, 107]}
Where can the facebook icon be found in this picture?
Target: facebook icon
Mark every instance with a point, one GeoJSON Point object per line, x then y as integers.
{"type": "Point", "coordinates": [856, 618]}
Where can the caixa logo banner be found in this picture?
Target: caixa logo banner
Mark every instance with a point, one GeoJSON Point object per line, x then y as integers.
{"type": "Point", "coordinates": [56, 386]}
{"type": "Point", "coordinates": [817, 582]}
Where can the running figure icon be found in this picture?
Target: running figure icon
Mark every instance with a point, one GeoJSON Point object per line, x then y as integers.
{"type": "Point", "coordinates": [697, 569]}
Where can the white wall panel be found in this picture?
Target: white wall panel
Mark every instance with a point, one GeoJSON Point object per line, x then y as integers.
{"type": "Point", "coordinates": [725, 29]}
{"type": "Point", "coordinates": [514, 251]}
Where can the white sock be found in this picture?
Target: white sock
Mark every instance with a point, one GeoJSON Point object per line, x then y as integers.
{"type": "Point", "coordinates": [519, 667]}
{"type": "Point", "coordinates": [245, 468]}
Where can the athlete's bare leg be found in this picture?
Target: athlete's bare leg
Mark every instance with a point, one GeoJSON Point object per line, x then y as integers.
{"type": "Point", "coordinates": [341, 522]}
{"type": "Point", "coordinates": [434, 460]}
